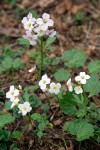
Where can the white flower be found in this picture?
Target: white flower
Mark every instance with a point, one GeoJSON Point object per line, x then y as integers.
{"type": "Point", "coordinates": [28, 22]}
{"type": "Point", "coordinates": [82, 77]}
{"type": "Point", "coordinates": [24, 108]}
{"type": "Point", "coordinates": [32, 69]}
{"type": "Point", "coordinates": [43, 82]}
{"type": "Point", "coordinates": [32, 38]}
{"type": "Point", "coordinates": [51, 33]}
{"type": "Point", "coordinates": [45, 21]}
{"type": "Point", "coordinates": [78, 90]}
{"type": "Point", "coordinates": [12, 93]}
{"type": "Point", "coordinates": [55, 88]}
{"type": "Point", "coordinates": [39, 31]}
{"type": "Point", "coordinates": [15, 102]}
{"type": "Point", "coordinates": [69, 84]}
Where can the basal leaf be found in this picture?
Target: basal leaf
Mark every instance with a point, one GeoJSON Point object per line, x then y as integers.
{"type": "Point", "coordinates": [17, 63]}
{"type": "Point", "coordinates": [67, 104]}
{"type": "Point", "coordinates": [6, 119]}
{"type": "Point", "coordinates": [62, 75]}
{"type": "Point", "coordinates": [80, 128]}
{"type": "Point", "coordinates": [74, 58]}
{"type": "Point", "coordinates": [94, 67]}
{"type": "Point", "coordinates": [92, 86]}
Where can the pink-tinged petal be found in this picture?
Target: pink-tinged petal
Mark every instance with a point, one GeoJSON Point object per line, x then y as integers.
{"type": "Point", "coordinates": [43, 86]}
{"type": "Point", "coordinates": [24, 20]}
{"type": "Point", "coordinates": [29, 15]}
{"type": "Point", "coordinates": [39, 21]}
{"type": "Point", "coordinates": [45, 16]}
{"type": "Point", "coordinates": [8, 95]}
{"type": "Point", "coordinates": [50, 22]}
{"type": "Point", "coordinates": [32, 43]}
{"type": "Point", "coordinates": [44, 27]}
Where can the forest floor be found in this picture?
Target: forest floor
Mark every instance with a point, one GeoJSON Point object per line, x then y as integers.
{"type": "Point", "coordinates": [74, 32]}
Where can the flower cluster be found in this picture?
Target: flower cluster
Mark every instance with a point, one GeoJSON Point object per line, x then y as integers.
{"type": "Point", "coordinates": [13, 96]}
{"type": "Point", "coordinates": [37, 27]}
{"type": "Point", "coordinates": [52, 88]}
{"type": "Point", "coordinates": [80, 79]}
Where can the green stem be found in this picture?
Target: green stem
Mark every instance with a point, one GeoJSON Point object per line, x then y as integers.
{"type": "Point", "coordinates": [42, 57]}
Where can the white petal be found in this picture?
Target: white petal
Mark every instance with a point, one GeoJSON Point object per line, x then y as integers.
{"type": "Point", "coordinates": [52, 85]}
{"type": "Point", "coordinates": [12, 88]}
{"type": "Point", "coordinates": [20, 106]}
{"type": "Point", "coordinates": [48, 81]}
{"type": "Point", "coordinates": [58, 85]}
{"type": "Point", "coordinates": [77, 78]}
{"type": "Point", "coordinates": [69, 82]}
{"type": "Point", "coordinates": [12, 105]}
{"type": "Point", "coordinates": [82, 74]}
{"type": "Point", "coordinates": [16, 92]}
{"type": "Point", "coordinates": [83, 81]}
{"type": "Point", "coordinates": [24, 113]}
{"type": "Point", "coordinates": [44, 77]}
{"type": "Point", "coordinates": [70, 88]}
{"type": "Point", "coordinates": [87, 77]}
{"type": "Point", "coordinates": [51, 90]}
{"type": "Point", "coordinates": [57, 91]}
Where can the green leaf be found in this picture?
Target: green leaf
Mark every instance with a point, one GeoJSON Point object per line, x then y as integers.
{"type": "Point", "coordinates": [80, 128]}
{"type": "Point", "coordinates": [6, 119]}
{"type": "Point", "coordinates": [8, 105]}
{"type": "Point", "coordinates": [46, 62]}
{"type": "Point", "coordinates": [74, 58]}
{"type": "Point", "coordinates": [50, 40]}
{"type": "Point", "coordinates": [62, 75]}
{"type": "Point", "coordinates": [11, 2]}
{"type": "Point", "coordinates": [4, 135]}
{"type": "Point", "coordinates": [67, 104]}
{"type": "Point", "coordinates": [23, 42]}
{"type": "Point", "coordinates": [3, 146]}
{"type": "Point", "coordinates": [79, 15]}
{"type": "Point", "coordinates": [7, 63]}
{"type": "Point", "coordinates": [56, 61]}
{"type": "Point", "coordinates": [94, 67]}
{"type": "Point", "coordinates": [36, 117]}
{"type": "Point", "coordinates": [17, 63]}
{"type": "Point", "coordinates": [92, 86]}
{"type": "Point", "coordinates": [35, 87]}
{"type": "Point", "coordinates": [16, 135]}
{"type": "Point", "coordinates": [40, 134]}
